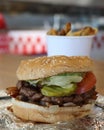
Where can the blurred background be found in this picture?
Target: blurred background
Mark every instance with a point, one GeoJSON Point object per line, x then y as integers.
{"type": "Point", "coordinates": [24, 23]}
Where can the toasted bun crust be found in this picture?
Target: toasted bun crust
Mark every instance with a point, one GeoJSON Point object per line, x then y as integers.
{"type": "Point", "coordinates": [53, 114]}
{"type": "Point", "coordinates": [48, 66]}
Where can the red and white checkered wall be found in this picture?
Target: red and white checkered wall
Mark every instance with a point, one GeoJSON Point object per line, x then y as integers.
{"type": "Point", "coordinates": [27, 42]}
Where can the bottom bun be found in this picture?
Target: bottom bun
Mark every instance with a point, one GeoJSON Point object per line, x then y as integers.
{"type": "Point", "coordinates": [52, 114]}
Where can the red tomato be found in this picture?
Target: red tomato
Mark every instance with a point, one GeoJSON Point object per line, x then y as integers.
{"type": "Point", "coordinates": [87, 83]}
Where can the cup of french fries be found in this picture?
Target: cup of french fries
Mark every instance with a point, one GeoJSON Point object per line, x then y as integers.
{"type": "Point", "coordinates": [70, 43]}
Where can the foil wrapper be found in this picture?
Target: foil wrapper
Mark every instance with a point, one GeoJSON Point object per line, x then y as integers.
{"type": "Point", "coordinates": [95, 121]}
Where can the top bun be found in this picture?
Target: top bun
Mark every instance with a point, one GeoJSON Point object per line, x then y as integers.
{"type": "Point", "coordinates": [42, 67]}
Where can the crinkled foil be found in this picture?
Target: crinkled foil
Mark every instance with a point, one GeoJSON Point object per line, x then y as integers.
{"type": "Point", "coordinates": [95, 121]}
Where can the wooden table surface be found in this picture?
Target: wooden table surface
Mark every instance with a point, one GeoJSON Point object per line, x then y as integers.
{"type": "Point", "coordinates": [9, 64]}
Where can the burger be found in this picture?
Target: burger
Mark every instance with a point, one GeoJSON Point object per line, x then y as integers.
{"type": "Point", "coordinates": [53, 89]}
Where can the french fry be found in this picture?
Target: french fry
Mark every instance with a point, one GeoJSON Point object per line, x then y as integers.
{"type": "Point", "coordinates": [88, 31]}
{"type": "Point", "coordinates": [52, 32]}
{"type": "Point", "coordinates": [67, 28]}
{"type": "Point", "coordinates": [69, 33]}
{"type": "Point", "coordinates": [85, 31]}
{"type": "Point", "coordinates": [61, 32]}
{"type": "Point", "coordinates": [76, 33]}
{"type": "Point", "coordinates": [93, 31]}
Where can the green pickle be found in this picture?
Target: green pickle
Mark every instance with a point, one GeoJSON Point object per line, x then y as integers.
{"type": "Point", "coordinates": [58, 91]}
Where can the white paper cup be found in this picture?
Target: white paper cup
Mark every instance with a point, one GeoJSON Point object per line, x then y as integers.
{"type": "Point", "coordinates": [69, 45]}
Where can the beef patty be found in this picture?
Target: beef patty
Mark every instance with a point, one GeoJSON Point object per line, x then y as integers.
{"type": "Point", "coordinates": [26, 92]}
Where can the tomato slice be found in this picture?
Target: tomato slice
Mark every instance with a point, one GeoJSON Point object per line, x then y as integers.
{"type": "Point", "coordinates": [86, 84]}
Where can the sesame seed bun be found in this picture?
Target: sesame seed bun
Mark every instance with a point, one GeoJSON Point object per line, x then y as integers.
{"type": "Point", "coordinates": [52, 114]}
{"type": "Point", "coordinates": [42, 67]}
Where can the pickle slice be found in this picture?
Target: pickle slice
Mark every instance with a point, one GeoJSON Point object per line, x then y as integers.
{"type": "Point", "coordinates": [58, 91]}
